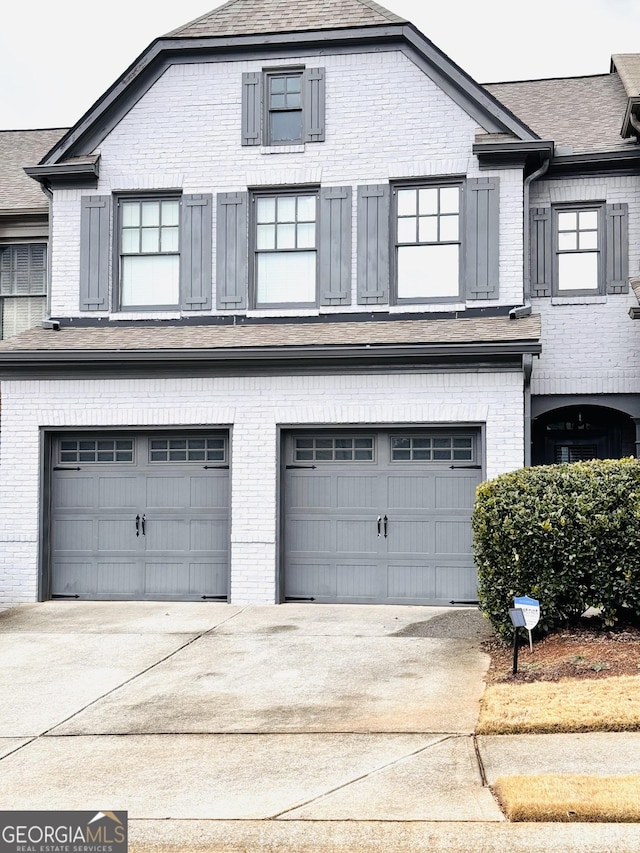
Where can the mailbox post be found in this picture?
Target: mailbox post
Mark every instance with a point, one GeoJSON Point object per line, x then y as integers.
{"type": "Point", "coordinates": [517, 620]}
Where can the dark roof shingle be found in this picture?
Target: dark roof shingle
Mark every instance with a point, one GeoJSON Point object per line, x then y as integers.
{"type": "Point", "coordinates": [20, 148]}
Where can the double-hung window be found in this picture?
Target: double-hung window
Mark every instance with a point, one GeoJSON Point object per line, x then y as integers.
{"type": "Point", "coordinates": [284, 108]}
{"type": "Point", "coordinates": [578, 249]}
{"type": "Point", "coordinates": [23, 286]}
{"type": "Point", "coordinates": [428, 242]}
{"type": "Point", "coordinates": [286, 244]}
{"type": "Point", "coordinates": [149, 246]}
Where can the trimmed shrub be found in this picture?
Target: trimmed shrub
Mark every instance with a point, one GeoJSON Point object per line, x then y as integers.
{"type": "Point", "coordinates": [567, 535]}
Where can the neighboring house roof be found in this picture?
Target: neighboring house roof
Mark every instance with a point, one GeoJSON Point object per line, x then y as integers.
{"type": "Point", "coordinates": [19, 148]}
{"type": "Point", "coordinates": [277, 335]}
{"type": "Point", "coordinates": [241, 17]}
{"type": "Point", "coordinates": [628, 67]}
{"type": "Point", "coordinates": [584, 114]}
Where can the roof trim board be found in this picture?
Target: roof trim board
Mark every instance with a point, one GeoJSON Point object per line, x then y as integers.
{"type": "Point", "coordinates": [105, 114]}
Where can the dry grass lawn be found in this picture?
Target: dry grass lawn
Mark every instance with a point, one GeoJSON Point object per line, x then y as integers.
{"type": "Point", "coordinates": [564, 798]}
{"type": "Point", "coordinates": [571, 705]}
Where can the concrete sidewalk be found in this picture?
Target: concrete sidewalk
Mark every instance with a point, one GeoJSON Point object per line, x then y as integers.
{"type": "Point", "coordinates": [292, 728]}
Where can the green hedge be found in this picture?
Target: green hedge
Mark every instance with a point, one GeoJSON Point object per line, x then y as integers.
{"type": "Point", "coordinates": [567, 535]}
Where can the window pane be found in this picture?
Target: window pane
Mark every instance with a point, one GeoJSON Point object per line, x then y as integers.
{"type": "Point", "coordinates": [151, 213]}
{"type": "Point", "coordinates": [287, 209]}
{"type": "Point", "coordinates": [130, 241]}
{"type": "Point", "coordinates": [588, 219]}
{"type": "Point", "coordinates": [286, 237]}
{"type": "Point", "coordinates": [588, 239]}
{"type": "Point", "coordinates": [567, 240]}
{"type": "Point", "coordinates": [169, 240]}
{"type": "Point", "coordinates": [266, 211]}
{"type": "Point", "coordinates": [130, 214]}
{"type": "Point", "coordinates": [150, 240]}
{"type": "Point", "coordinates": [266, 237]}
{"type": "Point", "coordinates": [278, 101]}
{"type": "Point", "coordinates": [428, 271]}
{"type": "Point", "coordinates": [407, 230]}
{"type": "Point", "coordinates": [307, 235]}
{"type": "Point", "coordinates": [449, 200]}
{"type": "Point", "coordinates": [407, 202]}
{"type": "Point", "coordinates": [567, 221]}
{"type": "Point", "coordinates": [428, 229]}
{"type": "Point", "coordinates": [278, 84]}
{"type": "Point", "coordinates": [289, 277]}
{"type": "Point", "coordinates": [150, 280]}
{"type": "Point", "coordinates": [20, 313]}
{"type": "Point", "coordinates": [449, 228]}
{"type": "Point", "coordinates": [170, 212]}
{"type": "Point", "coordinates": [307, 208]}
{"type": "Point", "coordinates": [294, 84]}
{"type": "Point", "coordinates": [428, 200]}
{"type": "Point", "coordinates": [285, 126]}
{"type": "Point", "coordinates": [578, 271]}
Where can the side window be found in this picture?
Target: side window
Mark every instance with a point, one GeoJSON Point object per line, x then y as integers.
{"type": "Point", "coordinates": [149, 252]}
{"type": "Point", "coordinates": [286, 242]}
{"type": "Point", "coordinates": [427, 243]}
{"type": "Point", "coordinates": [283, 106]}
{"type": "Point", "coordinates": [23, 286]}
{"type": "Point", "coordinates": [579, 249]}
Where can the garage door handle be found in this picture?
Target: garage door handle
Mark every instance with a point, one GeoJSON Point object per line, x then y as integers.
{"type": "Point", "coordinates": [385, 520]}
{"type": "Point", "coordinates": [137, 525]}
{"type": "Point", "coordinates": [144, 521]}
{"type": "Point", "coordinates": [379, 523]}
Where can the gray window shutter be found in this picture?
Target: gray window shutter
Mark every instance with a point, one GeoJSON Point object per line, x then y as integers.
{"type": "Point", "coordinates": [482, 238]}
{"type": "Point", "coordinates": [195, 253]}
{"type": "Point", "coordinates": [617, 248]}
{"type": "Point", "coordinates": [231, 251]}
{"type": "Point", "coordinates": [314, 97]}
{"type": "Point", "coordinates": [373, 244]}
{"type": "Point", "coordinates": [541, 251]}
{"type": "Point", "coordinates": [335, 246]}
{"type": "Point", "coordinates": [251, 108]}
{"type": "Point", "coordinates": [95, 214]}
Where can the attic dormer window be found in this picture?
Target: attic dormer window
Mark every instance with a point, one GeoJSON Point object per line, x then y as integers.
{"type": "Point", "coordinates": [283, 106]}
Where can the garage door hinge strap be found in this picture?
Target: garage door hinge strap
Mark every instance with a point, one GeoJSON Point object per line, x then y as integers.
{"type": "Point", "coordinates": [312, 467]}
{"type": "Point", "coordinates": [213, 597]}
{"type": "Point", "coordinates": [215, 466]}
{"type": "Point", "coordinates": [59, 468]}
{"type": "Point", "coordinates": [468, 467]}
{"type": "Point", "coordinates": [65, 596]}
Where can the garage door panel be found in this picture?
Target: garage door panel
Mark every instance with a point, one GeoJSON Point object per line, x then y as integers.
{"type": "Point", "coordinates": [358, 580]}
{"type": "Point", "coordinates": [120, 578]}
{"type": "Point", "coordinates": [455, 492]}
{"type": "Point", "coordinates": [357, 536]}
{"type": "Point", "coordinates": [208, 535]}
{"type": "Point", "coordinates": [453, 537]}
{"type": "Point", "coordinates": [410, 492]}
{"type": "Point", "coordinates": [209, 492]}
{"type": "Point", "coordinates": [167, 492]}
{"type": "Point", "coordinates": [71, 577]}
{"type": "Point", "coordinates": [118, 492]}
{"type": "Point", "coordinates": [410, 581]}
{"type": "Point", "coordinates": [73, 535]}
{"type": "Point", "coordinates": [306, 492]}
{"type": "Point", "coordinates": [413, 536]}
{"type": "Point", "coordinates": [357, 492]}
{"type": "Point", "coordinates": [317, 580]}
{"type": "Point", "coordinates": [166, 534]}
{"type": "Point", "coordinates": [164, 578]}
{"type": "Point", "coordinates": [311, 535]}
{"type": "Point", "coordinates": [456, 583]}
{"type": "Point", "coordinates": [117, 534]}
{"type": "Point", "coordinates": [210, 578]}
{"type": "Point", "coordinates": [74, 492]}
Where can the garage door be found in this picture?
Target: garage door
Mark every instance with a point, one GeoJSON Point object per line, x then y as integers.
{"type": "Point", "coordinates": [380, 517]}
{"type": "Point", "coordinates": [140, 517]}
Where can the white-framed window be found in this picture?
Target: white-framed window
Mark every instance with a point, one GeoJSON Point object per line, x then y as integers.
{"type": "Point", "coordinates": [149, 252]}
{"type": "Point", "coordinates": [286, 244]}
{"type": "Point", "coordinates": [428, 242]}
{"type": "Point", "coordinates": [23, 286]}
{"type": "Point", "coordinates": [578, 249]}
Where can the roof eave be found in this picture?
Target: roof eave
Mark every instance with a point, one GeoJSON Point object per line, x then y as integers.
{"type": "Point", "coordinates": [595, 162]}
{"type": "Point", "coordinates": [85, 174]}
{"type": "Point", "coordinates": [504, 154]}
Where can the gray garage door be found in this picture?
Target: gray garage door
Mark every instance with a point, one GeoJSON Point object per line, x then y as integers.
{"type": "Point", "coordinates": [380, 517]}
{"type": "Point", "coordinates": [140, 517]}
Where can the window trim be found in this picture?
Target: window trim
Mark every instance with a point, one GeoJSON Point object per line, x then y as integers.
{"type": "Point", "coordinates": [600, 208]}
{"type": "Point", "coordinates": [269, 74]}
{"type": "Point", "coordinates": [253, 250]}
{"type": "Point", "coordinates": [418, 184]}
{"type": "Point", "coordinates": [165, 195]}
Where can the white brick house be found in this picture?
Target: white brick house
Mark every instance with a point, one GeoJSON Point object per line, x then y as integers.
{"type": "Point", "coordinates": [297, 313]}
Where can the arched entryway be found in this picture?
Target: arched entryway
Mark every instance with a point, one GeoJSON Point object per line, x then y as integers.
{"type": "Point", "coordinates": [573, 433]}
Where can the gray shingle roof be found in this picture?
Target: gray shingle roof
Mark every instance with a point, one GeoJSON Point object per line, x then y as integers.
{"type": "Point", "coordinates": [19, 148]}
{"type": "Point", "coordinates": [180, 337]}
{"type": "Point", "coordinates": [241, 17]}
{"type": "Point", "coordinates": [628, 67]}
{"type": "Point", "coordinates": [585, 113]}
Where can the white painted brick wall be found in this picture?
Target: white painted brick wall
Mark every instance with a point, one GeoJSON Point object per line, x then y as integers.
{"type": "Point", "coordinates": [253, 407]}
{"type": "Point", "coordinates": [590, 345]}
{"type": "Point", "coordinates": [385, 119]}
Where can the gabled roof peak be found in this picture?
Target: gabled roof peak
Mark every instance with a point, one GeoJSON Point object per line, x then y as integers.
{"type": "Point", "coordinates": [242, 17]}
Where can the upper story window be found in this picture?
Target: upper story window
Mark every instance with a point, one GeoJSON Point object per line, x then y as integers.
{"type": "Point", "coordinates": [23, 286]}
{"type": "Point", "coordinates": [285, 249]}
{"type": "Point", "coordinates": [149, 252]}
{"type": "Point", "coordinates": [283, 106]}
{"type": "Point", "coordinates": [578, 250]}
{"type": "Point", "coordinates": [428, 243]}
